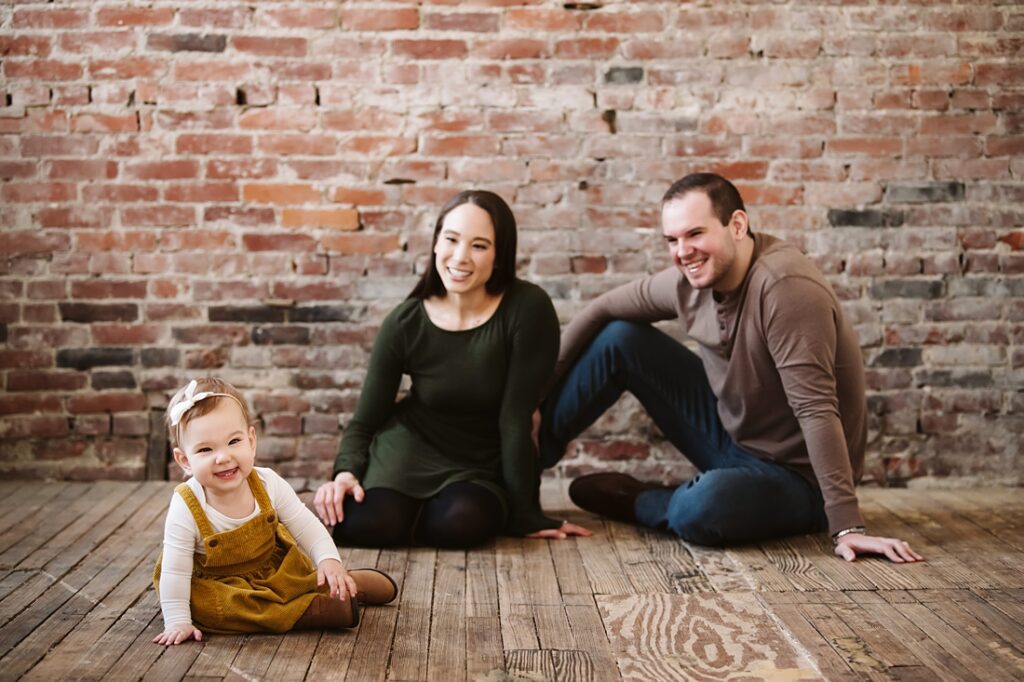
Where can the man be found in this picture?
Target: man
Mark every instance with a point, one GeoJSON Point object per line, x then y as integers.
{"type": "Point", "coordinates": [772, 412]}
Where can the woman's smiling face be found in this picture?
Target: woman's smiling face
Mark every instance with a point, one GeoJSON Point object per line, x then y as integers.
{"type": "Point", "coordinates": [464, 254]}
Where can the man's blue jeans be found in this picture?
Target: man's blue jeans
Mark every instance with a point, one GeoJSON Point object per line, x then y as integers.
{"type": "Point", "coordinates": [736, 497]}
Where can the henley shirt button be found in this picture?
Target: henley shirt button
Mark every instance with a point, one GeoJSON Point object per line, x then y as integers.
{"type": "Point", "coordinates": [270, 519]}
{"type": "Point", "coordinates": [213, 543]}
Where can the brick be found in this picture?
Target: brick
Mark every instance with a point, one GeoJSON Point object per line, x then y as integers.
{"type": "Point", "coordinates": [281, 334]}
{"type": "Point", "coordinates": [114, 193]}
{"type": "Point", "coordinates": [324, 313]}
{"type": "Point", "coordinates": [363, 119]}
{"type": "Point", "coordinates": [207, 70]}
{"type": "Point", "coordinates": [37, 380]}
{"type": "Point", "coordinates": [460, 145]}
{"type": "Point", "coordinates": [381, 20]}
{"type": "Point", "coordinates": [865, 218]}
{"type": "Point", "coordinates": [626, 22]}
{"type": "Point", "coordinates": [278, 118]}
{"type": "Point", "coordinates": [360, 243]}
{"type": "Point", "coordinates": [248, 217]}
{"type": "Point", "coordinates": [429, 49]}
{"type": "Point", "coordinates": [30, 192]}
{"type": "Point", "coordinates": [10, 359]}
{"type": "Point", "coordinates": [159, 216]}
{"type": "Point", "coordinates": [624, 75]}
{"type": "Point", "coordinates": [299, 17]}
{"type": "Point", "coordinates": [925, 192]}
{"type": "Point", "coordinates": [122, 379]}
{"type": "Point", "coordinates": [120, 69]}
{"type": "Point", "coordinates": [337, 219]}
{"type": "Point", "coordinates": [162, 170]}
{"type": "Point", "coordinates": [378, 145]}
{"type": "Point", "coordinates": [301, 291]}
{"type": "Point", "coordinates": [134, 16]}
{"type": "Point", "coordinates": [28, 404]}
{"type": "Point", "coordinates": [281, 194]}
{"type": "Point", "coordinates": [270, 47]}
{"type": "Point", "coordinates": [586, 48]}
{"type": "Point", "coordinates": [51, 17]}
{"type": "Point", "coordinates": [99, 312]}
{"type": "Point", "coordinates": [113, 401]}
{"type": "Point", "coordinates": [87, 358]}
{"type": "Point", "coordinates": [908, 288]}
{"type": "Point", "coordinates": [214, 143]}
{"type": "Point", "coordinates": [186, 42]}
{"type": "Point", "coordinates": [36, 426]}
{"type": "Point", "coordinates": [25, 46]}
{"type": "Point", "coordinates": [278, 242]}
{"type": "Point", "coordinates": [202, 193]}
{"type": "Point", "coordinates": [475, 22]}
{"type": "Point", "coordinates": [301, 145]}
{"type": "Point", "coordinates": [108, 288]}
{"type": "Point", "coordinates": [246, 314]}
{"type": "Point", "coordinates": [110, 334]}
{"type": "Point", "coordinates": [32, 241]}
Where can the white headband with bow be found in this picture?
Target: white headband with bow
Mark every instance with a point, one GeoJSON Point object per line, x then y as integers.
{"type": "Point", "coordinates": [189, 400]}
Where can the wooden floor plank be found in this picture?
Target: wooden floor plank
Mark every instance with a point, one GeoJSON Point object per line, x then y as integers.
{"type": "Point", "coordinates": [980, 551]}
{"type": "Point", "coordinates": [629, 603]}
{"type": "Point", "coordinates": [25, 609]}
{"type": "Point", "coordinates": [484, 654]}
{"type": "Point", "coordinates": [293, 657]}
{"type": "Point", "coordinates": [698, 635]}
{"type": "Point", "coordinates": [605, 572]}
{"type": "Point", "coordinates": [410, 650]}
{"type": "Point", "coordinates": [30, 503]}
{"type": "Point", "coordinates": [645, 572]}
{"type": "Point", "coordinates": [48, 520]}
{"type": "Point", "coordinates": [369, 660]}
{"type": "Point", "coordinates": [332, 656]}
{"type": "Point", "coordinates": [589, 632]}
{"type": "Point", "coordinates": [446, 658]}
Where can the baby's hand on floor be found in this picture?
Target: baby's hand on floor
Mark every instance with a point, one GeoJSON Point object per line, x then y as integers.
{"type": "Point", "coordinates": [176, 634]}
{"type": "Point", "coordinates": [334, 574]}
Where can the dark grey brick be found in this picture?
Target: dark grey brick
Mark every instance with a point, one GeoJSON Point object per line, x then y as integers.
{"type": "Point", "coordinates": [161, 357]}
{"type": "Point", "coordinates": [119, 379]}
{"type": "Point", "coordinates": [952, 378]}
{"type": "Point", "coordinates": [908, 288]}
{"type": "Point", "coordinates": [87, 358]}
{"type": "Point", "coordinates": [897, 357]}
{"type": "Point", "coordinates": [323, 313]}
{"type": "Point", "coordinates": [622, 75]}
{"type": "Point", "coordinates": [868, 217]}
{"type": "Point", "coordinates": [187, 42]}
{"type": "Point", "coordinates": [99, 312]}
{"type": "Point", "coordinates": [246, 314]}
{"type": "Point", "coordinates": [924, 192]}
{"type": "Point", "coordinates": [280, 335]}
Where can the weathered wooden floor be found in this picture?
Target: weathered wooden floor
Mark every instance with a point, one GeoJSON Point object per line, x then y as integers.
{"type": "Point", "coordinates": [76, 601]}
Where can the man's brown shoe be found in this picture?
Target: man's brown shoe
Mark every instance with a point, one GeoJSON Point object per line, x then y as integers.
{"type": "Point", "coordinates": [329, 613]}
{"type": "Point", "coordinates": [375, 587]}
{"type": "Point", "coordinates": [610, 494]}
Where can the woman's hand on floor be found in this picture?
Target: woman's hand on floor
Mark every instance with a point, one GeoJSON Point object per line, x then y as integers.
{"type": "Point", "coordinates": [562, 532]}
{"type": "Point", "coordinates": [330, 497]}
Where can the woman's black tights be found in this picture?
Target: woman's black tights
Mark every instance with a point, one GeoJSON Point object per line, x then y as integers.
{"type": "Point", "coordinates": [462, 515]}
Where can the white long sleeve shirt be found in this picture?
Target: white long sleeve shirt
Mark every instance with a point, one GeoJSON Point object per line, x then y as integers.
{"type": "Point", "coordinates": [182, 539]}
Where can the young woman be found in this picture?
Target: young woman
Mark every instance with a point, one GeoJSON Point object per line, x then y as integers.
{"type": "Point", "coordinates": [453, 463]}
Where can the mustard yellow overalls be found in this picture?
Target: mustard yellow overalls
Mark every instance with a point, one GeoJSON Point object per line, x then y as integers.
{"type": "Point", "coordinates": [253, 578]}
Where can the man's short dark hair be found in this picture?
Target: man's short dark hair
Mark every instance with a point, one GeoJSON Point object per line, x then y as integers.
{"type": "Point", "coordinates": [725, 198]}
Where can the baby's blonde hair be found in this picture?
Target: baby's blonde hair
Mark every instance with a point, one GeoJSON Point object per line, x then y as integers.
{"type": "Point", "coordinates": [205, 406]}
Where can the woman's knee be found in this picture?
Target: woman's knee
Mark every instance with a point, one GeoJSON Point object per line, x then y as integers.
{"type": "Point", "coordinates": [463, 515]}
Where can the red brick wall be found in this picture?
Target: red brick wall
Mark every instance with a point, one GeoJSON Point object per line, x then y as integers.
{"type": "Point", "coordinates": [244, 189]}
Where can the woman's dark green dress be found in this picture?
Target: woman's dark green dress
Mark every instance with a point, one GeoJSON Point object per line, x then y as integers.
{"type": "Point", "coordinates": [468, 415]}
